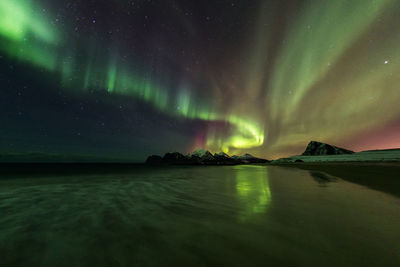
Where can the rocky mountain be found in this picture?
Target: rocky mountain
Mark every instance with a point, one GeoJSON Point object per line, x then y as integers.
{"type": "Point", "coordinates": [315, 148]}
{"type": "Point", "coordinates": [200, 153]}
{"type": "Point", "coordinates": [200, 156]}
{"type": "Point", "coordinates": [247, 158]}
{"type": "Point", "coordinates": [203, 157]}
{"type": "Point", "coordinates": [225, 159]}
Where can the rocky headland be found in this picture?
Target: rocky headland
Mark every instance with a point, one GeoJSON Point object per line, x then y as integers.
{"type": "Point", "coordinates": [318, 152]}
{"type": "Point", "coordinates": [315, 148]}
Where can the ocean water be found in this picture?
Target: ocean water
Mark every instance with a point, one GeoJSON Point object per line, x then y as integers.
{"type": "Point", "coordinates": [196, 216]}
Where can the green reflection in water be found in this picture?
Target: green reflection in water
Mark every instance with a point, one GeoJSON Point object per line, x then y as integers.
{"type": "Point", "coordinates": [253, 190]}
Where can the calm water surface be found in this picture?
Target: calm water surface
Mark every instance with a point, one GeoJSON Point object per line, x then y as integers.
{"type": "Point", "coordinates": [203, 216]}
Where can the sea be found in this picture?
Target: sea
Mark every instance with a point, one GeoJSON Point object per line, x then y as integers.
{"type": "Point", "coordinates": [245, 215]}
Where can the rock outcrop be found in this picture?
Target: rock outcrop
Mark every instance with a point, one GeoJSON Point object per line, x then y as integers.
{"type": "Point", "coordinates": [247, 158]}
{"type": "Point", "coordinates": [175, 158]}
{"type": "Point", "coordinates": [201, 156]}
{"type": "Point", "coordinates": [154, 159]}
{"type": "Point", "coordinates": [315, 148]}
{"type": "Point", "coordinates": [224, 159]}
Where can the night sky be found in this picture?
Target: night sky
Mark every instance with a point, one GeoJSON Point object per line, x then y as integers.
{"type": "Point", "coordinates": [123, 79]}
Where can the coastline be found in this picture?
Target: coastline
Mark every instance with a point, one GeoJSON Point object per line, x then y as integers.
{"type": "Point", "coordinates": [381, 176]}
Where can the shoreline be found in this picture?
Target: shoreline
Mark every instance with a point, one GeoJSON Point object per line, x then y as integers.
{"type": "Point", "coordinates": [377, 175]}
{"type": "Point", "coordinates": [381, 176]}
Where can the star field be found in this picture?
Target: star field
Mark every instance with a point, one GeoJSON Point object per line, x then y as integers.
{"type": "Point", "coordinates": [125, 79]}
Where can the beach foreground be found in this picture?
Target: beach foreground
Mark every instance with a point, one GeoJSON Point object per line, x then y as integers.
{"type": "Point", "coordinates": [246, 215]}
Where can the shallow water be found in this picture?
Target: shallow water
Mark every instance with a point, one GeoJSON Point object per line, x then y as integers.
{"type": "Point", "coordinates": [234, 216]}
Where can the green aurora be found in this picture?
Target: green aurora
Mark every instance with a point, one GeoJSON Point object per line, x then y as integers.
{"type": "Point", "coordinates": [28, 37]}
{"type": "Point", "coordinates": [323, 77]}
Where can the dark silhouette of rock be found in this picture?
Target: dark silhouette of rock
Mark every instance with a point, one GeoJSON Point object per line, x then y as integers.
{"type": "Point", "coordinates": [315, 148]}
{"type": "Point", "coordinates": [299, 160]}
{"type": "Point", "coordinates": [175, 158]}
{"type": "Point", "coordinates": [154, 159]}
{"type": "Point", "coordinates": [224, 159]}
{"type": "Point", "coordinates": [201, 153]}
{"type": "Point", "coordinates": [203, 157]}
{"type": "Point", "coordinates": [221, 155]}
{"type": "Point", "coordinates": [247, 158]}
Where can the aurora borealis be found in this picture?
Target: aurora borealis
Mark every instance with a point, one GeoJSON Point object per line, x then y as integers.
{"type": "Point", "coordinates": [127, 79]}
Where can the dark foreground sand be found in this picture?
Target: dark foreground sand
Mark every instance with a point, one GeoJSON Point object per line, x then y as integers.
{"type": "Point", "coordinates": [375, 175]}
{"type": "Point", "coordinates": [244, 215]}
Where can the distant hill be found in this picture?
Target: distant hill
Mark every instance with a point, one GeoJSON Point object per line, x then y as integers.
{"type": "Point", "coordinates": [317, 148]}
{"type": "Point", "coordinates": [321, 152]}
{"type": "Point", "coordinates": [203, 157]}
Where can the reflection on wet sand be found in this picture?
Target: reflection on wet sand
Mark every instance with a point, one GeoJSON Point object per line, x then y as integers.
{"type": "Point", "coordinates": [203, 216]}
{"type": "Point", "coordinates": [322, 179]}
{"type": "Point", "coordinates": [253, 190]}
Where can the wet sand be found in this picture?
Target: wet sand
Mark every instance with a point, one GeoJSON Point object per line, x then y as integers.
{"type": "Point", "coordinates": [380, 176]}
